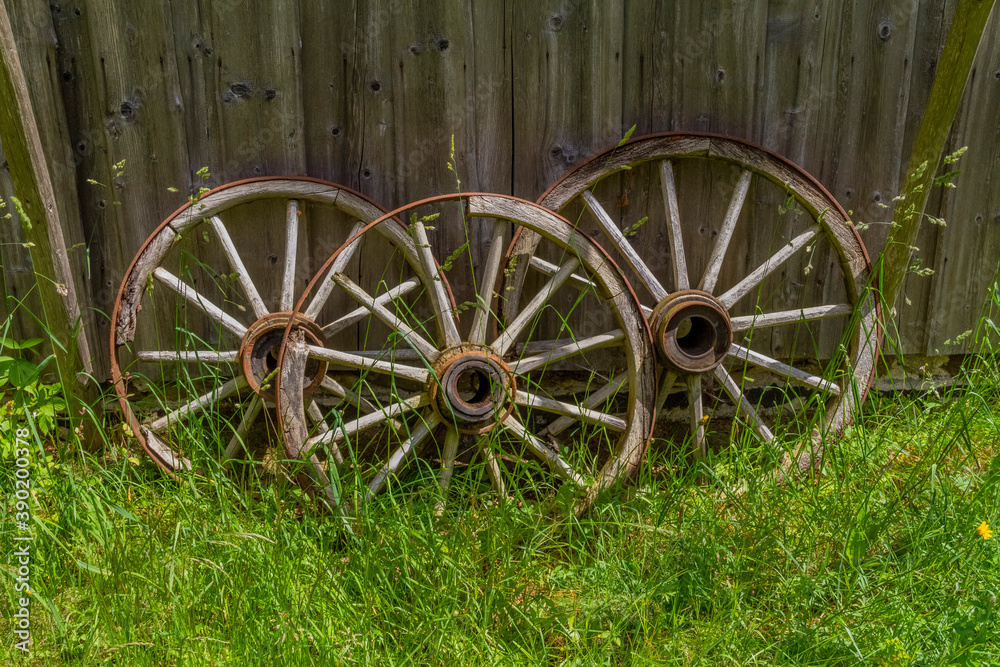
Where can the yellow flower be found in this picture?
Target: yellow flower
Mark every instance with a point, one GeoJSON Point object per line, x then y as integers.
{"type": "Point", "coordinates": [983, 530]}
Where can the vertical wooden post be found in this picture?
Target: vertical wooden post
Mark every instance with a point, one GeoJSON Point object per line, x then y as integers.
{"type": "Point", "coordinates": [36, 210]}
{"type": "Point", "coordinates": [953, 69]}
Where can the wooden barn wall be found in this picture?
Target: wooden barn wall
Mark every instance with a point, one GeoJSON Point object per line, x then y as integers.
{"type": "Point", "coordinates": [369, 93]}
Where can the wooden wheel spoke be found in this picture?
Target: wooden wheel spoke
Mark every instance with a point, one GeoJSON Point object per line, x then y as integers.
{"type": "Point", "coordinates": [783, 370]}
{"type": "Point", "coordinates": [625, 247]}
{"type": "Point", "coordinates": [451, 441]}
{"type": "Point", "coordinates": [439, 296]}
{"type": "Point", "coordinates": [743, 405]}
{"type": "Point", "coordinates": [361, 313]}
{"type": "Point", "coordinates": [493, 467]}
{"type": "Point", "coordinates": [593, 400]}
{"type": "Point", "coordinates": [291, 248]}
{"type": "Point", "coordinates": [366, 364]}
{"type": "Point", "coordinates": [487, 284]}
{"type": "Point", "coordinates": [563, 350]}
{"type": "Point", "coordinates": [403, 453]}
{"type": "Point", "coordinates": [543, 451]}
{"type": "Point", "coordinates": [249, 417]}
{"type": "Point", "coordinates": [326, 286]}
{"type": "Point", "coordinates": [322, 428]}
{"type": "Point", "coordinates": [259, 309]}
{"type": "Point", "coordinates": [745, 322]}
{"type": "Point", "coordinates": [550, 269]}
{"type": "Point", "coordinates": [415, 340]}
{"type": "Point", "coordinates": [201, 302]}
{"type": "Point", "coordinates": [530, 400]}
{"type": "Point", "coordinates": [667, 383]}
{"type": "Point", "coordinates": [196, 405]}
{"type": "Point", "coordinates": [353, 398]}
{"type": "Point", "coordinates": [742, 288]}
{"type": "Point", "coordinates": [523, 319]}
{"type": "Point", "coordinates": [390, 354]}
{"type": "Point", "coordinates": [163, 451]}
{"type": "Point", "coordinates": [190, 356]}
{"type": "Point", "coordinates": [674, 235]}
{"type": "Point", "coordinates": [696, 412]}
{"type": "Point", "coordinates": [711, 275]}
{"type": "Point", "coordinates": [576, 280]}
{"type": "Point", "coordinates": [386, 414]}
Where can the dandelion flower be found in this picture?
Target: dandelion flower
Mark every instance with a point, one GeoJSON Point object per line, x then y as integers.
{"type": "Point", "coordinates": [983, 530]}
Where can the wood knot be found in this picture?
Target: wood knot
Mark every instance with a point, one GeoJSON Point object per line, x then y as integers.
{"type": "Point", "coordinates": [884, 29]}
{"type": "Point", "coordinates": [442, 44]}
{"type": "Point", "coordinates": [127, 110]}
{"type": "Point", "coordinates": [241, 88]}
{"type": "Point", "coordinates": [375, 86]}
{"type": "Point", "coordinates": [556, 23]}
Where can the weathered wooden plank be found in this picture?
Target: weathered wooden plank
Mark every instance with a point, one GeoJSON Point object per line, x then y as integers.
{"type": "Point", "coordinates": [567, 74]}
{"type": "Point", "coordinates": [18, 278]}
{"type": "Point", "coordinates": [644, 75]}
{"type": "Point", "coordinates": [331, 37]}
{"type": "Point", "coordinates": [35, 209]}
{"type": "Point", "coordinates": [965, 260]}
{"type": "Point", "coordinates": [874, 68]}
{"type": "Point", "coordinates": [122, 105]}
{"type": "Point", "coordinates": [37, 45]}
{"type": "Point", "coordinates": [175, 87]}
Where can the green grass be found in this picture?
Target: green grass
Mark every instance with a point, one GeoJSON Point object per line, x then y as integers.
{"type": "Point", "coordinates": [874, 561]}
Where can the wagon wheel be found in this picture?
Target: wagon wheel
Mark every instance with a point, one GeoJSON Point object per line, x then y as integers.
{"type": "Point", "coordinates": [744, 294]}
{"type": "Point", "coordinates": [555, 406]}
{"type": "Point", "coordinates": [198, 321]}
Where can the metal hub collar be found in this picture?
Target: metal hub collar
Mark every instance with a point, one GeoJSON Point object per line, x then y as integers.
{"type": "Point", "coordinates": [472, 388]}
{"type": "Point", "coordinates": [693, 331]}
{"type": "Point", "coordinates": [261, 345]}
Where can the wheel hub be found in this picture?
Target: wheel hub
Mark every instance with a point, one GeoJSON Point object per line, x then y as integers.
{"type": "Point", "coordinates": [472, 388]}
{"type": "Point", "coordinates": [693, 331]}
{"type": "Point", "coordinates": [261, 345]}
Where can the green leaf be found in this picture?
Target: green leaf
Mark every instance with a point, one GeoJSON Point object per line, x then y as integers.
{"type": "Point", "coordinates": [125, 513]}
{"type": "Point", "coordinates": [19, 372]}
{"type": "Point", "coordinates": [21, 345]}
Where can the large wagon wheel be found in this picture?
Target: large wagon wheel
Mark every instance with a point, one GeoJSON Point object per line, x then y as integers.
{"type": "Point", "coordinates": [198, 321]}
{"type": "Point", "coordinates": [556, 404]}
{"type": "Point", "coordinates": [744, 294]}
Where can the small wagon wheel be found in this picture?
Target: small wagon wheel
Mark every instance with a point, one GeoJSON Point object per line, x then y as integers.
{"type": "Point", "coordinates": [198, 321]}
{"type": "Point", "coordinates": [559, 401]}
{"type": "Point", "coordinates": [748, 271]}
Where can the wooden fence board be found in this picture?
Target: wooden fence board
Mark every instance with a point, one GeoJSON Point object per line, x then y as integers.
{"type": "Point", "coordinates": [528, 89]}
{"type": "Point", "coordinates": [966, 256]}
